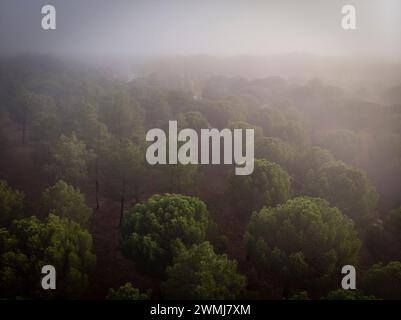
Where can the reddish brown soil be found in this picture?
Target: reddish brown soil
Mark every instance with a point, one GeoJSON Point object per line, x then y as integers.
{"type": "Point", "coordinates": [16, 165]}
{"type": "Point", "coordinates": [18, 169]}
{"type": "Point", "coordinates": [113, 270]}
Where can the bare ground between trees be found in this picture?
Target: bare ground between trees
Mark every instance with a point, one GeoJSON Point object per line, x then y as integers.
{"type": "Point", "coordinates": [113, 269]}
{"type": "Point", "coordinates": [18, 169]}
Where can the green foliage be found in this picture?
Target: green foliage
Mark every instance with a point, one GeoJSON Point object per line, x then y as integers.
{"type": "Point", "coordinates": [88, 129]}
{"type": "Point", "coordinates": [216, 239]}
{"type": "Point", "coordinates": [154, 229]}
{"type": "Point", "coordinates": [383, 239]}
{"type": "Point", "coordinates": [123, 170]}
{"type": "Point", "coordinates": [29, 107]}
{"type": "Point", "coordinates": [93, 132]}
{"type": "Point", "coordinates": [45, 124]}
{"type": "Point", "coordinates": [122, 115]}
{"type": "Point", "coordinates": [11, 204]}
{"type": "Point", "coordinates": [179, 178]}
{"type": "Point", "coordinates": [65, 201]}
{"type": "Point", "coordinates": [347, 188]}
{"type": "Point", "coordinates": [220, 113]}
{"type": "Point", "coordinates": [312, 159]}
{"type": "Point", "coordinates": [157, 108]}
{"type": "Point", "coordinates": [30, 244]}
{"type": "Point", "coordinates": [305, 166]}
{"type": "Point", "coordinates": [385, 164]}
{"type": "Point", "coordinates": [393, 224]}
{"type": "Point", "coordinates": [69, 158]}
{"type": "Point", "coordinates": [127, 292]}
{"type": "Point", "coordinates": [192, 119]}
{"type": "Point", "coordinates": [302, 243]}
{"type": "Point", "coordinates": [268, 185]}
{"type": "Point", "coordinates": [344, 144]}
{"type": "Point", "coordinates": [341, 294]}
{"type": "Point", "coordinates": [180, 101]}
{"type": "Point", "coordinates": [277, 124]}
{"type": "Point", "coordinates": [383, 281]}
{"type": "Point", "coordinates": [245, 125]}
{"type": "Point", "coordinates": [275, 150]}
{"type": "Point", "coordinates": [198, 273]}
{"type": "Point", "coordinates": [295, 133]}
{"type": "Point", "coordinates": [270, 120]}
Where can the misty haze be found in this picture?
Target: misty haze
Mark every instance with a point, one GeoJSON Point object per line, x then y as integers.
{"type": "Point", "coordinates": [77, 193]}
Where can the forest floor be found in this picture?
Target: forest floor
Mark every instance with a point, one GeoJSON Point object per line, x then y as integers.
{"type": "Point", "coordinates": [20, 171]}
{"type": "Point", "coordinates": [112, 270]}
{"type": "Point", "coordinates": [18, 168]}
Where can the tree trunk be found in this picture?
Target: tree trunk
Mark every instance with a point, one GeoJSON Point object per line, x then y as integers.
{"type": "Point", "coordinates": [171, 186]}
{"type": "Point", "coordinates": [97, 183]}
{"type": "Point", "coordinates": [122, 203]}
{"type": "Point", "coordinates": [286, 292]}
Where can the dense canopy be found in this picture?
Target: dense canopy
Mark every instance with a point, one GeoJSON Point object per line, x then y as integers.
{"type": "Point", "coordinates": [302, 243]}
{"type": "Point", "coordinates": [154, 230]}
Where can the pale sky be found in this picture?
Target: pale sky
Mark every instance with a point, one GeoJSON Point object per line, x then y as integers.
{"type": "Point", "coordinates": [216, 27]}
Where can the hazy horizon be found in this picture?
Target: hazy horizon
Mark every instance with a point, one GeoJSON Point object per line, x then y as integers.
{"type": "Point", "coordinates": [218, 28]}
